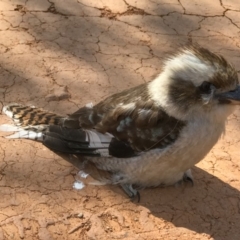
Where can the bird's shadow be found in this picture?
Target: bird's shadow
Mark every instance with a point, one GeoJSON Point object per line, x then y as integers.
{"type": "Point", "coordinates": [210, 206]}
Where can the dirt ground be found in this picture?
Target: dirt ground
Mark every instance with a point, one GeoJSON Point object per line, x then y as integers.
{"type": "Point", "coordinates": [61, 55]}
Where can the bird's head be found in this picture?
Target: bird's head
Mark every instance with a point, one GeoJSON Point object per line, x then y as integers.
{"type": "Point", "coordinates": [194, 82]}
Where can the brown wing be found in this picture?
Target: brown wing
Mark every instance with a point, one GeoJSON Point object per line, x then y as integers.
{"type": "Point", "coordinates": [133, 118]}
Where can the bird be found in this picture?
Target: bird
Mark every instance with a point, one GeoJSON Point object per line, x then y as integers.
{"type": "Point", "coordinates": [147, 136]}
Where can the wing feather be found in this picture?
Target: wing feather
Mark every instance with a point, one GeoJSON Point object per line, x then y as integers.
{"type": "Point", "coordinates": [133, 118]}
{"type": "Point", "coordinates": [122, 125]}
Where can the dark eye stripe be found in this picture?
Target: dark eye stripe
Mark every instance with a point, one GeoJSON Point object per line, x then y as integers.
{"type": "Point", "coordinates": [205, 87]}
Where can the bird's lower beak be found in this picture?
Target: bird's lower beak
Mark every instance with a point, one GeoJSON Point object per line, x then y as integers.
{"type": "Point", "coordinates": [231, 97]}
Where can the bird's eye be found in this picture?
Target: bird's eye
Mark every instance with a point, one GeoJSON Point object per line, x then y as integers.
{"type": "Point", "coordinates": [205, 87]}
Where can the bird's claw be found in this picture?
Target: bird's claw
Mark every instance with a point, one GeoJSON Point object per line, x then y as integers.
{"type": "Point", "coordinates": [188, 177]}
{"type": "Point", "coordinates": [131, 192]}
{"type": "Point", "coordinates": [136, 197]}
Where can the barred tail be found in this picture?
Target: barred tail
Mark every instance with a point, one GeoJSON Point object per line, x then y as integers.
{"type": "Point", "coordinates": [29, 122]}
{"type": "Point", "coordinates": [28, 116]}
{"type": "Point", "coordinates": [60, 134]}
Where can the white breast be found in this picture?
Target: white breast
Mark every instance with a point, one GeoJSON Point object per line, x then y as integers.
{"type": "Point", "coordinates": [166, 167]}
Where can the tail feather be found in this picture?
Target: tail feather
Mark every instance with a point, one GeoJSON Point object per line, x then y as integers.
{"type": "Point", "coordinates": [31, 116]}
{"type": "Point", "coordinates": [33, 135]}
{"type": "Point", "coordinates": [64, 136]}
{"type": "Point", "coordinates": [49, 128]}
{"type": "Point", "coordinates": [30, 122]}
{"type": "Point", "coordinates": [77, 141]}
{"type": "Point", "coordinates": [9, 128]}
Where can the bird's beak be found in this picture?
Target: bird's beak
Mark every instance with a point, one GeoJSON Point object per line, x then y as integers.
{"type": "Point", "coordinates": [231, 97]}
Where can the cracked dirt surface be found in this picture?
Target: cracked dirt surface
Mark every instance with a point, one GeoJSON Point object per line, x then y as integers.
{"type": "Point", "coordinates": [61, 55]}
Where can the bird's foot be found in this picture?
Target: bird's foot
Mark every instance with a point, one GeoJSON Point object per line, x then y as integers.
{"type": "Point", "coordinates": [188, 177]}
{"type": "Point", "coordinates": [131, 192]}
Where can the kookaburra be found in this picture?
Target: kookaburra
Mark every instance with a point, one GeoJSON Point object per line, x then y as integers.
{"type": "Point", "coordinates": [146, 136]}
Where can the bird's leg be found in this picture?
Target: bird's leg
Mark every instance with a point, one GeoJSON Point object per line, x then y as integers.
{"type": "Point", "coordinates": [188, 177]}
{"type": "Point", "coordinates": [131, 192]}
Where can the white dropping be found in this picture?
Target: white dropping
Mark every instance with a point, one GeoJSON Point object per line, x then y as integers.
{"type": "Point", "coordinates": [78, 185]}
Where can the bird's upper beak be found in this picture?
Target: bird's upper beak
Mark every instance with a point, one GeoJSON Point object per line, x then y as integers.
{"type": "Point", "coordinates": [231, 97]}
